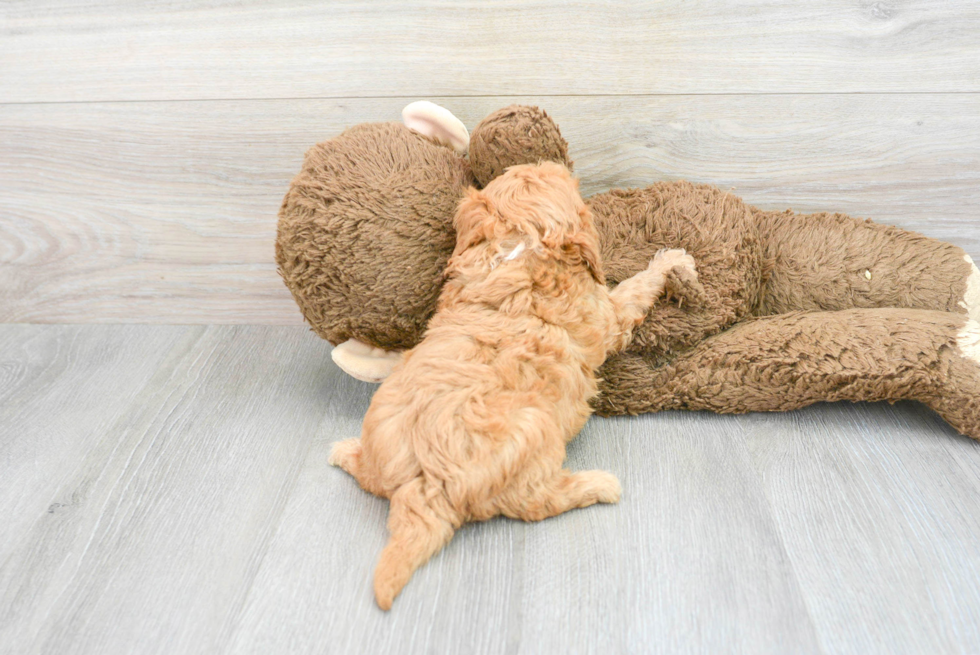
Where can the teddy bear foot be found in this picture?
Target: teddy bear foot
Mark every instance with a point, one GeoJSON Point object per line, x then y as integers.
{"type": "Point", "coordinates": [971, 298]}
{"type": "Point", "coordinates": [960, 403]}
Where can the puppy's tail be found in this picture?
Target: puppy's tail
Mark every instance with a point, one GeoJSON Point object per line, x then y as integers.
{"type": "Point", "coordinates": [417, 533]}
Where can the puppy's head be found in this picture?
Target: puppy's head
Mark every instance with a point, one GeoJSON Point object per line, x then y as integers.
{"type": "Point", "coordinates": [538, 206]}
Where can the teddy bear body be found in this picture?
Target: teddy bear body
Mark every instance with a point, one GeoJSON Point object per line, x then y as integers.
{"type": "Point", "coordinates": [787, 309]}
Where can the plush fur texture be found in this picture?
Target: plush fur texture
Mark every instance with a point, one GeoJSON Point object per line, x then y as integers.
{"type": "Point", "coordinates": [757, 269]}
{"type": "Point", "coordinates": [756, 263]}
{"type": "Point", "coordinates": [473, 423]}
{"type": "Point", "coordinates": [515, 135]}
{"type": "Point", "coordinates": [350, 227]}
{"type": "Point", "coordinates": [784, 362]}
{"type": "Point", "coordinates": [971, 298]}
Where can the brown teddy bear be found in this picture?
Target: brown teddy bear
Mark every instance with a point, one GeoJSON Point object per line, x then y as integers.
{"type": "Point", "coordinates": [788, 309]}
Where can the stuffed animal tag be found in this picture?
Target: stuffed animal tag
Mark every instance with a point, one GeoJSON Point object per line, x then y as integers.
{"type": "Point", "coordinates": [438, 123]}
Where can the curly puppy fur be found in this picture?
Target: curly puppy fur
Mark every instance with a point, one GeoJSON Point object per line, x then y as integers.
{"type": "Point", "coordinates": [473, 422]}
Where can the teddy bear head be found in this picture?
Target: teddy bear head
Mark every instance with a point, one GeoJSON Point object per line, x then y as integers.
{"type": "Point", "coordinates": [515, 135]}
{"type": "Point", "coordinates": [366, 229]}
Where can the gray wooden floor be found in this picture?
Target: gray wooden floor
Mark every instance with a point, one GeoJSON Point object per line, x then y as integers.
{"type": "Point", "coordinates": [165, 419]}
{"type": "Point", "coordinates": [166, 490]}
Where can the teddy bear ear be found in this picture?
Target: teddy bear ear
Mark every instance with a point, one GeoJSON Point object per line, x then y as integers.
{"type": "Point", "coordinates": [437, 122]}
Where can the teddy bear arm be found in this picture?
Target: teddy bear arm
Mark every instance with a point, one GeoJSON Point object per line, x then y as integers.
{"type": "Point", "coordinates": [785, 362]}
{"type": "Point", "coordinates": [834, 261]}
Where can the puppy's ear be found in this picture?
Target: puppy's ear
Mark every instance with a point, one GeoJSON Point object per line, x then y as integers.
{"type": "Point", "coordinates": [588, 248]}
{"type": "Point", "coordinates": [587, 241]}
{"type": "Point", "coordinates": [472, 220]}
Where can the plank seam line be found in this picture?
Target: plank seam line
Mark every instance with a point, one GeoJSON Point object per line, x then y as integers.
{"type": "Point", "coordinates": [500, 95]}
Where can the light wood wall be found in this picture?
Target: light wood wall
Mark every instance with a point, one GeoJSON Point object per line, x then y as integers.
{"type": "Point", "coordinates": [144, 151]}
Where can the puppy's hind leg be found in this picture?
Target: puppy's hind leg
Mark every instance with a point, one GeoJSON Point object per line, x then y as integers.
{"type": "Point", "coordinates": [563, 492]}
{"type": "Point", "coordinates": [418, 532]}
{"type": "Point", "coordinates": [346, 454]}
{"type": "Point", "coordinates": [349, 455]}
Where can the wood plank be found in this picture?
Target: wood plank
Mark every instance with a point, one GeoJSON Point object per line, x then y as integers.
{"type": "Point", "coordinates": [61, 388]}
{"type": "Point", "coordinates": [165, 212]}
{"type": "Point", "coordinates": [204, 518]}
{"type": "Point", "coordinates": [165, 521]}
{"type": "Point", "coordinates": [690, 561]}
{"type": "Point", "coordinates": [877, 508]}
{"type": "Point", "coordinates": [315, 584]}
{"type": "Point", "coordinates": [114, 50]}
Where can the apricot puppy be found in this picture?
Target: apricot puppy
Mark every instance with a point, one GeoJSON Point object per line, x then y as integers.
{"type": "Point", "coordinates": [473, 421]}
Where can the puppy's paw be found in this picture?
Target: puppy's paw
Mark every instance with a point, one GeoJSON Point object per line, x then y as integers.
{"type": "Point", "coordinates": [684, 288]}
{"type": "Point", "coordinates": [345, 454]}
{"type": "Point", "coordinates": [603, 485]}
{"type": "Point", "coordinates": [611, 490]}
{"type": "Point", "coordinates": [674, 259]}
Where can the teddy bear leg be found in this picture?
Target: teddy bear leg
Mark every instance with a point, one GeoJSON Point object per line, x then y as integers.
{"type": "Point", "coordinates": [780, 363]}
{"type": "Point", "coordinates": [832, 261]}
